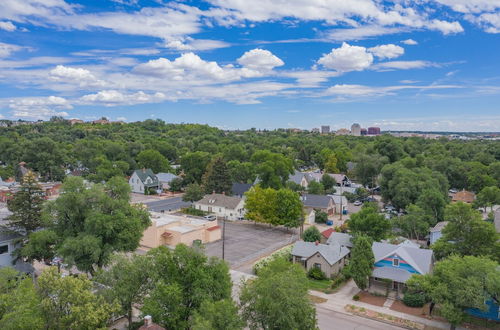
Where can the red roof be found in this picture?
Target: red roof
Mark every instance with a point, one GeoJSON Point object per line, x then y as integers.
{"type": "Point", "coordinates": [213, 228]}
{"type": "Point", "coordinates": [327, 233]}
{"type": "Point", "coordinates": [166, 234]}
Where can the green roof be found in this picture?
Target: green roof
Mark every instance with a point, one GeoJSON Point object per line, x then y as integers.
{"type": "Point", "coordinates": [144, 174]}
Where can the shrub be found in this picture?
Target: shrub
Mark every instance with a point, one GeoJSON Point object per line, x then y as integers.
{"type": "Point", "coordinates": [316, 274]}
{"type": "Point", "coordinates": [192, 211]}
{"type": "Point", "coordinates": [414, 299]}
{"type": "Point", "coordinates": [355, 297]}
{"type": "Point", "coordinates": [338, 280]}
{"type": "Point", "coordinates": [311, 234]}
{"type": "Point", "coordinates": [320, 217]}
{"type": "Point", "coordinates": [285, 253]}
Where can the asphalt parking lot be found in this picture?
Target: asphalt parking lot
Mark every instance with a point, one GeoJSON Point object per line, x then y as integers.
{"type": "Point", "coordinates": [246, 242]}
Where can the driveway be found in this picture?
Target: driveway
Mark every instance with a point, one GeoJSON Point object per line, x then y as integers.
{"type": "Point", "coordinates": [167, 205]}
{"type": "Point", "coordinates": [246, 242]}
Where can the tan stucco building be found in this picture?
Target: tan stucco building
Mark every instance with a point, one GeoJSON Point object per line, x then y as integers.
{"type": "Point", "coordinates": [169, 229]}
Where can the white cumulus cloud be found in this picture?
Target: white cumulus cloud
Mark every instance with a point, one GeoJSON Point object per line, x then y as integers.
{"type": "Point", "coordinates": [39, 107]}
{"type": "Point", "coordinates": [7, 26]}
{"type": "Point", "coordinates": [347, 58]}
{"type": "Point", "coordinates": [260, 60]}
{"type": "Point", "coordinates": [409, 42]}
{"type": "Point", "coordinates": [387, 51]}
{"type": "Point", "coordinates": [7, 49]}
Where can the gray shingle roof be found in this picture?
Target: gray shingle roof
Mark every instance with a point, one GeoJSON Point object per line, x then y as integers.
{"type": "Point", "coordinates": [296, 177]}
{"type": "Point", "coordinates": [340, 238]}
{"type": "Point", "coordinates": [143, 175]}
{"type": "Point", "coordinates": [316, 201]}
{"type": "Point", "coordinates": [166, 177]}
{"type": "Point", "coordinates": [220, 200]}
{"type": "Point", "coordinates": [439, 226]}
{"type": "Point", "coordinates": [239, 189]}
{"type": "Point", "coordinates": [420, 259]}
{"type": "Point", "coordinates": [332, 253]}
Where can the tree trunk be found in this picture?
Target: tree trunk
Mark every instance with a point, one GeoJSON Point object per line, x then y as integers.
{"type": "Point", "coordinates": [129, 317]}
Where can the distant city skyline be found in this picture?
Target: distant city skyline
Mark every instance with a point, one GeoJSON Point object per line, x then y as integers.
{"type": "Point", "coordinates": [400, 65]}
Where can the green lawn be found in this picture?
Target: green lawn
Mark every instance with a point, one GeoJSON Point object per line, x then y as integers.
{"type": "Point", "coordinates": [321, 285]}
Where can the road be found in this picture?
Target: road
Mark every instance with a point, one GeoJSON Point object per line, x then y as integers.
{"type": "Point", "coordinates": [330, 320]}
{"type": "Point", "coordinates": [167, 205]}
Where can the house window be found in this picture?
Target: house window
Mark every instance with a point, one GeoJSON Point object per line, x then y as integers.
{"type": "Point", "coordinates": [317, 266]}
{"type": "Point", "coordinates": [395, 262]}
{"type": "Point", "coordinates": [4, 249]}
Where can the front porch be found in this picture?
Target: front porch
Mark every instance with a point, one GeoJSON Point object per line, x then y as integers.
{"type": "Point", "coordinates": [386, 287]}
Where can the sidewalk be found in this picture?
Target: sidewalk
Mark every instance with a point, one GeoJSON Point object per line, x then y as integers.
{"type": "Point", "coordinates": [337, 301]}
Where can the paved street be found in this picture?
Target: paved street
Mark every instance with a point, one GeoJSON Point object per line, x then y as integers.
{"type": "Point", "coordinates": [167, 205]}
{"type": "Point", "coordinates": [330, 320]}
{"type": "Point", "coordinates": [246, 242]}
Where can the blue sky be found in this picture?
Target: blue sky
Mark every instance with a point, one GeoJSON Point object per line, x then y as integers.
{"type": "Point", "coordinates": [235, 64]}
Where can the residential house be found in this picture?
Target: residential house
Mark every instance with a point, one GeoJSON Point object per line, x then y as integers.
{"type": "Point", "coordinates": [342, 239]}
{"type": "Point", "coordinates": [239, 189]}
{"type": "Point", "coordinates": [319, 202]}
{"type": "Point", "coordinates": [436, 232]}
{"type": "Point", "coordinates": [168, 229]}
{"type": "Point", "coordinates": [341, 179]}
{"type": "Point", "coordinates": [149, 325]}
{"type": "Point", "coordinates": [463, 196]}
{"type": "Point", "coordinates": [223, 206]}
{"type": "Point", "coordinates": [309, 215]}
{"type": "Point", "coordinates": [330, 259]}
{"type": "Point", "coordinates": [143, 181]}
{"type": "Point", "coordinates": [395, 264]}
{"type": "Point", "coordinates": [340, 202]}
{"type": "Point", "coordinates": [165, 179]}
{"type": "Point", "coordinates": [8, 244]}
{"type": "Point", "coordinates": [492, 311]}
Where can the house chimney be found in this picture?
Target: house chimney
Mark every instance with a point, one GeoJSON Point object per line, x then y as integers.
{"type": "Point", "coordinates": [143, 170]}
{"type": "Point", "coordinates": [148, 320]}
{"type": "Point", "coordinates": [316, 243]}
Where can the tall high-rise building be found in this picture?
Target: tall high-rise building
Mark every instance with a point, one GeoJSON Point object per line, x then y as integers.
{"type": "Point", "coordinates": [373, 130]}
{"type": "Point", "coordinates": [325, 129]}
{"type": "Point", "coordinates": [364, 131]}
{"type": "Point", "coordinates": [356, 129]}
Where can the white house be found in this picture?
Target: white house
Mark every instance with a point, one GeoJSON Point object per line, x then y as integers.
{"type": "Point", "coordinates": [144, 180]}
{"type": "Point", "coordinates": [8, 246]}
{"type": "Point", "coordinates": [223, 206]}
{"type": "Point", "coordinates": [436, 232]}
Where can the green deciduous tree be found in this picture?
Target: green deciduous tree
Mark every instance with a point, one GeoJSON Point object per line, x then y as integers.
{"type": "Point", "coordinates": [194, 164]}
{"type": "Point", "coordinates": [272, 169]}
{"type": "Point", "coordinates": [458, 283]}
{"type": "Point", "coordinates": [127, 281]}
{"type": "Point", "coordinates": [415, 224]}
{"type": "Point", "coordinates": [216, 178]}
{"type": "Point", "coordinates": [311, 234]}
{"type": "Point", "coordinates": [278, 299]}
{"type": "Point", "coordinates": [154, 160]}
{"type": "Point", "coordinates": [91, 223]}
{"type": "Point", "coordinates": [193, 192]}
{"type": "Point", "coordinates": [320, 216]}
{"type": "Point", "coordinates": [368, 168]}
{"type": "Point", "coordinates": [316, 188]}
{"type": "Point", "coordinates": [467, 234]}
{"type": "Point", "coordinates": [241, 172]}
{"type": "Point", "coordinates": [361, 262]}
{"type": "Point", "coordinates": [369, 222]}
{"type": "Point", "coordinates": [488, 196]}
{"type": "Point", "coordinates": [218, 315]}
{"type": "Point", "coordinates": [276, 207]}
{"type": "Point", "coordinates": [19, 302]}
{"type": "Point", "coordinates": [70, 303]}
{"type": "Point", "coordinates": [184, 279]}
{"type": "Point", "coordinates": [433, 203]}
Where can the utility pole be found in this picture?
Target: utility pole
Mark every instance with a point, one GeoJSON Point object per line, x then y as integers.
{"type": "Point", "coordinates": [341, 210]}
{"type": "Point", "coordinates": [223, 236]}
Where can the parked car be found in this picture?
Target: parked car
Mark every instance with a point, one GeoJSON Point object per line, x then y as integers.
{"type": "Point", "coordinates": [358, 203]}
{"type": "Point", "coordinates": [210, 217]}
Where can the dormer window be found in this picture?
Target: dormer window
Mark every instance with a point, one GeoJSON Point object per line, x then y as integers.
{"type": "Point", "coordinates": [395, 262]}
